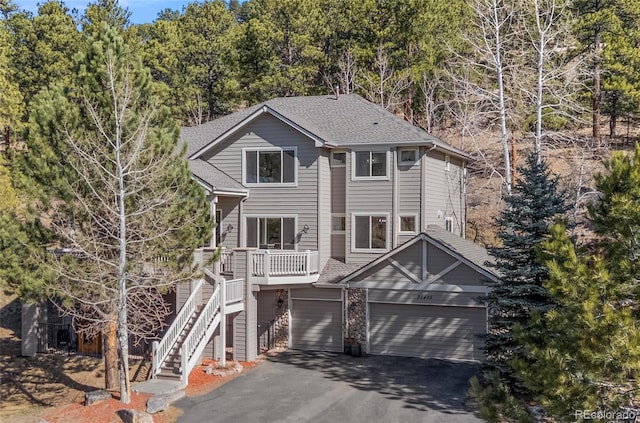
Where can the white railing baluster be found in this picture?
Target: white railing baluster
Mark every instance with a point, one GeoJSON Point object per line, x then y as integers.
{"type": "Point", "coordinates": [269, 263]}
{"type": "Point", "coordinates": [160, 350]}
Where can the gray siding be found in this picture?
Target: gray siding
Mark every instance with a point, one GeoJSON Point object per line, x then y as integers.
{"type": "Point", "coordinates": [266, 306]}
{"type": "Point", "coordinates": [338, 187]}
{"type": "Point", "coordinates": [324, 208]}
{"type": "Point", "coordinates": [230, 207]}
{"type": "Point", "coordinates": [443, 193]}
{"type": "Point", "coordinates": [337, 246]}
{"type": "Point", "coordinates": [427, 331]}
{"type": "Point", "coordinates": [301, 200]}
{"type": "Point", "coordinates": [316, 294]}
{"type": "Point", "coordinates": [409, 190]}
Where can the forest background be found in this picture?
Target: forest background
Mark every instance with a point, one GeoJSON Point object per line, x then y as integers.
{"type": "Point", "coordinates": [498, 79]}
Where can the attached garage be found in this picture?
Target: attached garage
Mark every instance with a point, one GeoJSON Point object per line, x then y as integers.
{"type": "Point", "coordinates": [316, 319]}
{"type": "Point", "coordinates": [426, 331]}
{"type": "Point", "coordinates": [421, 299]}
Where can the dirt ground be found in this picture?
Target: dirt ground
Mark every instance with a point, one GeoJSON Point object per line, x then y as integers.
{"type": "Point", "coordinates": [51, 388]}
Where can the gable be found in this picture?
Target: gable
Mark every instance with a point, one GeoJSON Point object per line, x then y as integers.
{"type": "Point", "coordinates": [421, 264]}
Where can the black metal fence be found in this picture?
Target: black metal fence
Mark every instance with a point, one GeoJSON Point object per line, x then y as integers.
{"type": "Point", "coordinates": [266, 336]}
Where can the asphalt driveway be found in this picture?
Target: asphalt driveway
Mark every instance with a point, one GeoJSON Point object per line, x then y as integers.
{"type": "Point", "coordinates": [296, 386]}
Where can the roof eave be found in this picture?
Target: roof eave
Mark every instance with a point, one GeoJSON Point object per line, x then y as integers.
{"type": "Point", "coordinates": [318, 141]}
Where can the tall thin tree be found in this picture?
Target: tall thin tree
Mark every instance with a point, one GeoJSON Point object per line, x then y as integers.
{"type": "Point", "coordinates": [120, 196]}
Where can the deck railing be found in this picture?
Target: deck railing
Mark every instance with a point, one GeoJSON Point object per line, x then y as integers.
{"type": "Point", "coordinates": [160, 350]}
{"type": "Point", "coordinates": [266, 263]}
{"type": "Point", "coordinates": [234, 291]}
{"type": "Point", "coordinates": [226, 263]}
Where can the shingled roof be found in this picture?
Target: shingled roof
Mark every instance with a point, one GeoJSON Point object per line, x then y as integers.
{"type": "Point", "coordinates": [348, 120]}
{"type": "Point", "coordinates": [214, 178]}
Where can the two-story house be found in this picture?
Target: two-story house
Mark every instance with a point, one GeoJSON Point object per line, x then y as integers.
{"type": "Point", "coordinates": [340, 220]}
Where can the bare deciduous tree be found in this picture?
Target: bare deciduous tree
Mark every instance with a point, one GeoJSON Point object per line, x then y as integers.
{"type": "Point", "coordinates": [124, 206]}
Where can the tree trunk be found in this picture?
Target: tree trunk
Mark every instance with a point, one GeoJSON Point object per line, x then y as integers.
{"type": "Point", "coordinates": [110, 352]}
{"type": "Point", "coordinates": [597, 59]}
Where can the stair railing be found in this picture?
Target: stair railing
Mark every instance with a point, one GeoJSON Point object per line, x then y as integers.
{"type": "Point", "coordinates": [160, 350]}
{"type": "Point", "coordinates": [194, 344]}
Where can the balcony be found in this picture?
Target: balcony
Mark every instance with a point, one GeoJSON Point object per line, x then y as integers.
{"type": "Point", "coordinates": [276, 267]}
{"type": "Point", "coordinates": [267, 267]}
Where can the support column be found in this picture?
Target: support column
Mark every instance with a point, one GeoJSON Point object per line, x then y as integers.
{"type": "Point", "coordinates": [223, 322]}
{"type": "Point", "coordinates": [245, 335]}
{"type": "Point", "coordinates": [33, 315]}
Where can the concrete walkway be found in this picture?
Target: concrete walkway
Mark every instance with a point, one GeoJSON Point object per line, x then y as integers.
{"type": "Point", "coordinates": [158, 387]}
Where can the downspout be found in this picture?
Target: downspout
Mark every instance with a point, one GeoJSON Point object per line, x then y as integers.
{"type": "Point", "coordinates": [394, 201]}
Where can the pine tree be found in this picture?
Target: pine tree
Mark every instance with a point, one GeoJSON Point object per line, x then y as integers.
{"type": "Point", "coordinates": [589, 355]}
{"type": "Point", "coordinates": [118, 193]}
{"type": "Point", "coordinates": [532, 207]}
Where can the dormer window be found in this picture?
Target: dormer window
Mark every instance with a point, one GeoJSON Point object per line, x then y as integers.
{"type": "Point", "coordinates": [370, 165]}
{"type": "Point", "coordinates": [269, 166]}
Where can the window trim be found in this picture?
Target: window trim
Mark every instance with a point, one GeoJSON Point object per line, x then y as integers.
{"type": "Point", "coordinates": [269, 216]}
{"type": "Point", "coordinates": [342, 215]}
{"type": "Point", "coordinates": [415, 224]}
{"type": "Point", "coordinates": [258, 150]}
{"type": "Point", "coordinates": [353, 233]}
{"type": "Point", "coordinates": [449, 220]}
{"type": "Point", "coordinates": [386, 177]}
{"type": "Point", "coordinates": [407, 162]}
{"type": "Point", "coordinates": [333, 164]}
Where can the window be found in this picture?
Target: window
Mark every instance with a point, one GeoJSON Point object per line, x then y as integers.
{"type": "Point", "coordinates": [338, 223]}
{"type": "Point", "coordinates": [448, 224]}
{"type": "Point", "coordinates": [270, 166]}
{"type": "Point", "coordinates": [408, 224]}
{"type": "Point", "coordinates": [370, 232]}
{"type": "Point", "coordinates": [407, 156]}
{"type": "Point", "coordinates": [273, 233]}
{"type": "Point", "coordinates": [370, 164]}
{"type": "Point", "coordinates": [338, 159]}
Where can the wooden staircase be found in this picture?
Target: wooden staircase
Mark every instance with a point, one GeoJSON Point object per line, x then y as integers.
{"type": "Point", "coordinates": [185, 340]}
{"type": "Point", "coordinates": [170, 369]}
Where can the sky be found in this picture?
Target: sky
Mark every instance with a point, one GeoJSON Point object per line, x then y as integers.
{"type": "Point", "coordinates": [142, 11]}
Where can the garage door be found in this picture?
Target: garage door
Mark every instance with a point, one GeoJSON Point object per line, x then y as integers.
{"type": "Point", "coordinates": [426, 331]}
{"type": "Point", "coordinates": [316, 325]}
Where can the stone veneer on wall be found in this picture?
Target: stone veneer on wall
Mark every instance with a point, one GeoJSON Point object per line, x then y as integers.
{"type": "Point", "coordinates": [282, 318]}
{"type": "Point", "coordinates": [357, 314]}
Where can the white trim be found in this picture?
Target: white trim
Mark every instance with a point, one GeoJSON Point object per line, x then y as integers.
{"type": "Point", "coordinates": [420, 237]}
{"type": "Point", "coordinates": [343, 215]}
{"type": "Point", "coordinates": [270, 184]}
{"type": "Point", "coordinates": [404, 270]}
{"type": "Point", "coordinates": [243, 241]}
{"type": "Point", "coordinates": [387, 175]}
{"type": "Point", "coordinates": [449, 219]}
{"type": "Point", "coordinates": [353, 232]}
{"type": "Point", "coordinates": [415, 224]}
{"type": "Point", "coordinates": [407, 162]}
